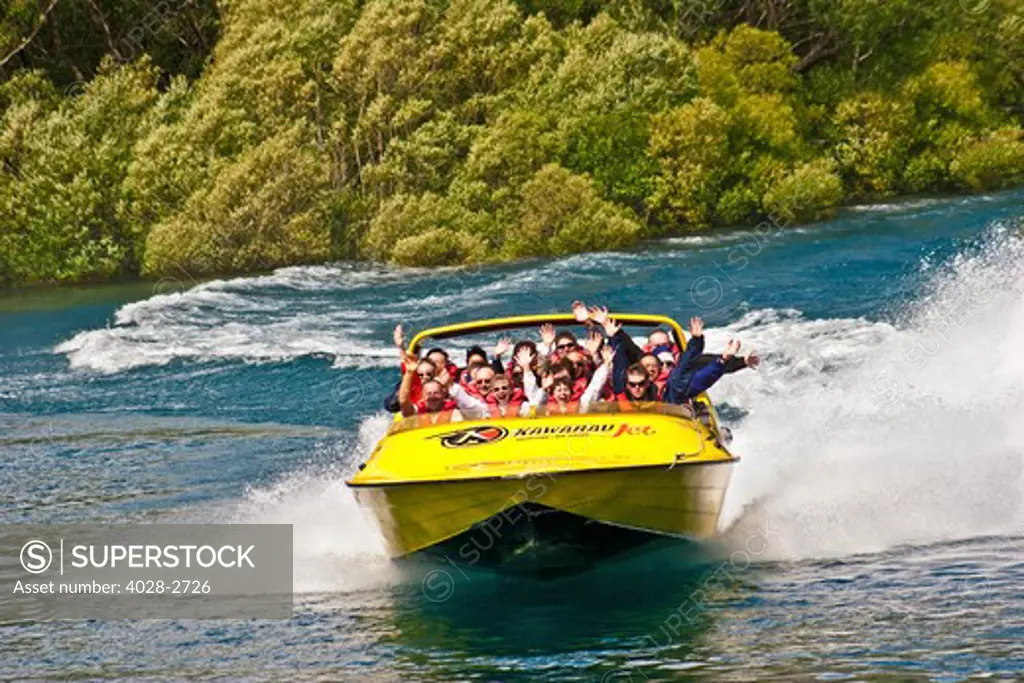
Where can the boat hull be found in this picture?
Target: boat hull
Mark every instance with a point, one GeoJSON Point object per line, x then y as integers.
{"type": "Point", "coordinates": [553, 522]}
{"type": "Point", "coordinates": [541, 542]}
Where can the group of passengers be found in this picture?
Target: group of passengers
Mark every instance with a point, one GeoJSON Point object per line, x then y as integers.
{"type": "Point", "coordinates": [561, 374]}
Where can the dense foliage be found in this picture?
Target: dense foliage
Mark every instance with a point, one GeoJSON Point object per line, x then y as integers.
{"type": "Point", "coordinates": [141, 138]}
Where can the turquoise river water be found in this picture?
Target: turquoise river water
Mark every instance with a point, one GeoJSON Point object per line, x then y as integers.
{"type": "Point", "coordinates": [873, 530]}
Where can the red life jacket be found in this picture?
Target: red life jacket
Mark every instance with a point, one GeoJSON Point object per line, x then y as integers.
{"type": "Point", "coordinates": [578, 387]}
{"type": "Point", "coordinates": [626, 401]}
{"type": "Point", "coordinates": [625, 404]}
{"type": "Point", "coordinates": [662, 381]}
{"type": "Point", "coordinates": [421, 407]}
{"type": "Point", "coordinates": [517, 396]}
{"type": "Point", "coordinates": [416, 389]}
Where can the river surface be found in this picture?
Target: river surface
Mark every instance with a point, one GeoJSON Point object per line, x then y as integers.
{"type": "Point", "coordinates": [874, 528]}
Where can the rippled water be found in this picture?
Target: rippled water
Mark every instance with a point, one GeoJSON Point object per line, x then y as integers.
{"type": "Point", "coordinates": [875, 527]}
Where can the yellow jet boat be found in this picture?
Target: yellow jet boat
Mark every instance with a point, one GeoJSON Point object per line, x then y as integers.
{"type": "Point", "coordinates": [547, 494]}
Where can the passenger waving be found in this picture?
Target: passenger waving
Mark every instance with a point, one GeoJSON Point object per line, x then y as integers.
{"type": "Point", "coordinates": [689, 379]}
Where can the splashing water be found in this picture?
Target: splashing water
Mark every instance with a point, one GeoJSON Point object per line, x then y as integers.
{"type": "Point", "coordinates": [336, 547]}
{"type": "Point", "coordinates": [863, 436]}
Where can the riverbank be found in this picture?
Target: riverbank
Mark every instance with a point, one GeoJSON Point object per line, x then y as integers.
{"type": "Point", "coordinates": [46, 296]}
{"type": "Point", "coordinates": [461, 132]}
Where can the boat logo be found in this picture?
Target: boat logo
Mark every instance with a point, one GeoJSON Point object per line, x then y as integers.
{"type": "Point", "coordinates": [473, 436]}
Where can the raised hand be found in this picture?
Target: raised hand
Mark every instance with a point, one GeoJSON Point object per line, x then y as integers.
{"type": "Point", "coordinates": [399, 336]}
{"type": "Point", "coordinates": [547, 333]}
{"type": "Point", "coordinates": [696, 327]}
{"type": "Point", "coordinates": [579, 309]}
{"type": "Point", "coordinates": [444, 377]}
{"type": "Point", "coordinates": [599, 314]}
{"type": "Point", "coordinates": [410, 360]}
{"type": "Point", "coordinates": [503, 346]}
{"type": "Point", "coordinates": [525, 358]}
{"type": "Point", "coordinates": [611, 327]}
{"type": "Point", "coordinates": [607, 355]}
{"type": "Point", "coordinates": [731, 349]}
{"type": "Point", "coordinates": [593, 342]}
{"type": "Point", "coordinates": [547, 381]}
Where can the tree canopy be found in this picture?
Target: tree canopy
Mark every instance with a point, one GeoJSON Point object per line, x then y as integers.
{"type": "Point", "coordinates": [139, 139]}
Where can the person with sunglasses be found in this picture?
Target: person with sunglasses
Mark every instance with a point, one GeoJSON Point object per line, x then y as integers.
{"type": "Point", "coordinates": [441, 398]}
{"type": "Point", "coordinates": [480, 381]}
{"type": "Point", "coordinates": [505, 400]}
{"type": "Point", "coordinates": [637, 387]}
{"type": "Point", "coordinates": [433, 394]}
{"type": "Point", "coordinates": [658, 367]}
{"type": "Point", "coordinates": [629, 354]}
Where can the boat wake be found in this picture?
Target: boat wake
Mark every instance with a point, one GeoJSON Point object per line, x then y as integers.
{"type": "Point", "coordinates": [860, 436]}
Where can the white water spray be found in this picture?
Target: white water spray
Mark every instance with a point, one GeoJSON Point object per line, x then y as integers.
{"type": "Point", "coordinates": [336, 548]}
{"type": "Point", "coordinates": [864, 436]}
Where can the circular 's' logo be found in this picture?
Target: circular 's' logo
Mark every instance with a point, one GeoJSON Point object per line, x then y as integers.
{"type": "Point", "coordinates": [473, 436]}
{"type": "Point", "coordinates": [36, 557]}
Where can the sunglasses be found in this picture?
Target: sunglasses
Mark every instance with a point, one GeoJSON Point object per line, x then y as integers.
{"type": "Point", "coordinates": [637, 385]}
{"type": "Point", "coordinates": [566, 345]}
{"type": "Point", "coordinates": [426, 375]}
{"type": "Point", "coordinates": [499, 387]}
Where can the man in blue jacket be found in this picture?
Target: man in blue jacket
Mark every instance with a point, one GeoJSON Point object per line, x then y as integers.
{"type": "Point", "coordinates": [689, 378]}
{"type": "Point", "coordinates": [695, 372]}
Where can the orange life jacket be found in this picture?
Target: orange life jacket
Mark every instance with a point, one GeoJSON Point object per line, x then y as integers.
{"type": "Point", "coordinates": [515, 401]}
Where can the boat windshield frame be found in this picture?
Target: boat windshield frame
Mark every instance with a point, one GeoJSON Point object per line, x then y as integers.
{"type": "Point", "coordinates": [454, 417]}
{"type": "Point", "coordinates": [527, 321]}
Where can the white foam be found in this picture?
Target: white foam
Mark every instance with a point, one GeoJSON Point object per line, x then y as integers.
{"type": "Point", "coordinates": [336, 547]}
{"type": "Point", "coordinates": [858, 440]}
{"type": "Point", "coordinates": [230, 320]}
{"type": "Point", "coordinates": [254, 319]}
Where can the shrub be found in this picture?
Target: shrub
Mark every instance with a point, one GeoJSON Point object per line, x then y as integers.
{"type": "Point", "coordinates": [926, 172]}
{"type": "Point", "coordinates": [739, 204]}
{"type": "Point", "coordinates": [991, 163]}
{"type": "Point", "coordinates": [691, 145]}
{"type": "Point", "coordinates": [806, 194]}
{"type": "Point", "coordinates": [405, 216]}
{"type": "Point", "coordinates": [563, 214]}
{"type": "Point", "coordinates": [63, 172]}
{"type": "Point", "coordinates": [947, 90]}
{"type": "Point", "coordinates": [762, 59]}
{"type": "Point", "coordinates": [439, 247]}
{"type": "Point", "coordinates": [872, 139]}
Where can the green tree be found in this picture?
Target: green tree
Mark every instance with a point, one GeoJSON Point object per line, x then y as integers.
{"type": "Point", "coordinates": [563, 214]}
